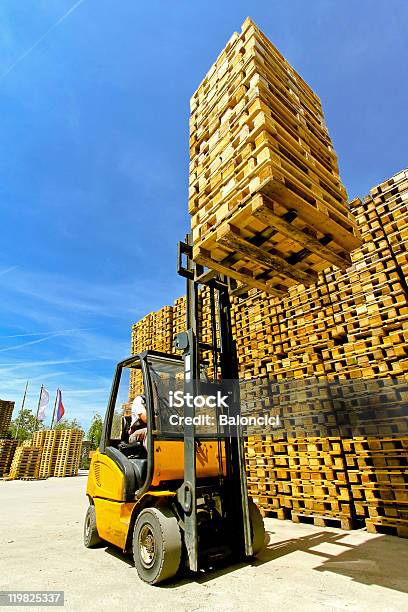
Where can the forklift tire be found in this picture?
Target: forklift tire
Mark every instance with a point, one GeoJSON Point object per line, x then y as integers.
{"type": "Point", "coordinates": [257, 528]}
{"type": "Point", "coordinates": [91, 537]}
{"type": "Point", "coordinates": [157, 545]}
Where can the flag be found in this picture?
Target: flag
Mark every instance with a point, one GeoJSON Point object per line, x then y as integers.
{"type": "Point", "coordinates": [43, 403]}
{"type": "Point", "coordinates": [59, 406]}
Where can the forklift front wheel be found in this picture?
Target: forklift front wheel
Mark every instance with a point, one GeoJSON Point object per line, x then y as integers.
{"type": "Point", "coordinates": [156, 545]}
{"type": "Point", "coordinates": [91, 537]}
{"type": "Point", "coordinates": [257, 528]}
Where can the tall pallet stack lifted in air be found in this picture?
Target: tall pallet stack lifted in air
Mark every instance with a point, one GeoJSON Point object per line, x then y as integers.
{"type": "Point", "coordinates": [267, 204]}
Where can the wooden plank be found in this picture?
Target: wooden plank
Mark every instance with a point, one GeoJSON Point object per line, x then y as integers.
{"type": "Point", "coordinates": [229, 237]}
{"type": "Point", "coordinates": [261, 211]}
{"type": "Point", "coordinates": [202, 257]}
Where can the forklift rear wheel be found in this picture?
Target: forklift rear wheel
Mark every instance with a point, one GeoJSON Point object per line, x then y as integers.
{"type": "Point", "coordinates": [91, 536]}
{"type": "Point", "coordinates": [156, 545]}
{"type": "Point", "coordinates": [257, 527]}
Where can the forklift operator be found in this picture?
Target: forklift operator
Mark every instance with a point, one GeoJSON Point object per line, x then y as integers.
{"type": "Point", "coordinates": [138, 427]}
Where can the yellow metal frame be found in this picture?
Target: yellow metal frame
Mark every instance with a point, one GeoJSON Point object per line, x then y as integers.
{"type": "Point", "coordinates": [115, 517]}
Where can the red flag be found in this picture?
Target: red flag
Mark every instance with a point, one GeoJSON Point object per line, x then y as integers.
{"type": "Point", "coordinates": [60, 406]}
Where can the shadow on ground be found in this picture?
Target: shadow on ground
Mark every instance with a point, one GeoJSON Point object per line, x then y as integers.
{"type": "Point", "coordinates": [382, 560]}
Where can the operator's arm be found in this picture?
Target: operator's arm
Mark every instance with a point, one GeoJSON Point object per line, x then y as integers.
{"type": "Point", "coordinates": [139, 423]}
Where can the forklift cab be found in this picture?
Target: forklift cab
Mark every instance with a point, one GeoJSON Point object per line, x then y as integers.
{"type": "Point", "coordinates": [159, 461]}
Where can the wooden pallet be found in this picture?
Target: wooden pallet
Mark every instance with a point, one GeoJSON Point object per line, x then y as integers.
{"type": "Point", "coordinates": [388, 527]}
{"type": "Point", "coordinates": [281, 513]}
{"type": "Point", "coordinates": [363, 445]}
{"type": "Point", "coordinates": [342, 522]}
{"type": "Point", "coordinates": [271, 245]}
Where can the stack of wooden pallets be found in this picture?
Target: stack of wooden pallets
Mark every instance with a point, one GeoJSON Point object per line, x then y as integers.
{"type": "Point", "coordinates": [319, 490]}
{"type": "Point", "coordinates": [7, 450]}
{"type": "Point", "coordinates": [162, 329]}
{"type": "Point", "coordinates": [267, 204]}
{"type": "Point", "coordinates": [69, 453]}
{"type": "Point", "coordinates": [6, 411]}
{"type": "Point", "coordinates": [304, 318]}
{"type": "Point", "coordinates": [377, 469]}
{"type": "Point", "coordinates": [179, 318]}
{"type": "Point", "coordinates": [390, 201]}
{"type": "Point", "coordinates": [135, 387]}
{"type": "Point", "coordinates": [256, 329]}
{"type": "Point", "coordinates": [49, 452]}
{"type": "Point", "coordinates": [300, 478]}
{"type": "Point", "coordinates": [38, 438]}
{"type": "Point", "coordinates": [142, 340]}
{"type": "Point", "coordinates": [26, 463]}
{"type": "Point", "coordinates": [153, 332]}
{"type": "Point", "coordinates": [268, 474]}
{"type": "Point", "coordinates": [370, 304]}
{"type": "Point", "coordinates": [205, 328]}
{"type": "Point", "coordinates": [142, 334]}
{"type": "Point", "coordinates": [374, 407]}
{"type": "Point", "coordinates": [355, 321]}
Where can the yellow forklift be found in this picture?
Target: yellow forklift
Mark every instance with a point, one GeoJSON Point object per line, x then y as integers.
{"type": "Point", "coordinates": [180, 499]}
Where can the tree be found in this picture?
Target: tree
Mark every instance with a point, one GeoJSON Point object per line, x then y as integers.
{"type": "Point", "coordinates": [65, 424]}
{"type": "Point", "coordinates": [24, 425]}
{"type": "Point", "coordinates": [95, 430]}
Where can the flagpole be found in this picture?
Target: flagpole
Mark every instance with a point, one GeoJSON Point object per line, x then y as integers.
{"type": "Point", "coordinates": [21, 411]}
{"type": "Point", "coordinates": [55, 405]}
{"type": "Point", "coordinates": [38, 408]}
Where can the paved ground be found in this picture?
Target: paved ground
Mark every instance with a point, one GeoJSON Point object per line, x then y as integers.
{"type": "Point", "coordinates": [304, 567]}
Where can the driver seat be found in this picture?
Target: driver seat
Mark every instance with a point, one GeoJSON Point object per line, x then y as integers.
{"type": "Point", "coordinates": [137, 455]}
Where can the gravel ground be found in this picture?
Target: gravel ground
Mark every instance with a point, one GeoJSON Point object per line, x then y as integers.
{"type": "Point", "coordinates": [303, 568]}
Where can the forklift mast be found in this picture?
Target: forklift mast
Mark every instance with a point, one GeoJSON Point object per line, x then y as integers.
{"type": "Point", "coordinates": [225, 368]}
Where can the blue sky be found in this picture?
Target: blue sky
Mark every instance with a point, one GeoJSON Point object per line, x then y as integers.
{"type": "Point", "coordinates": [94, 158]}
